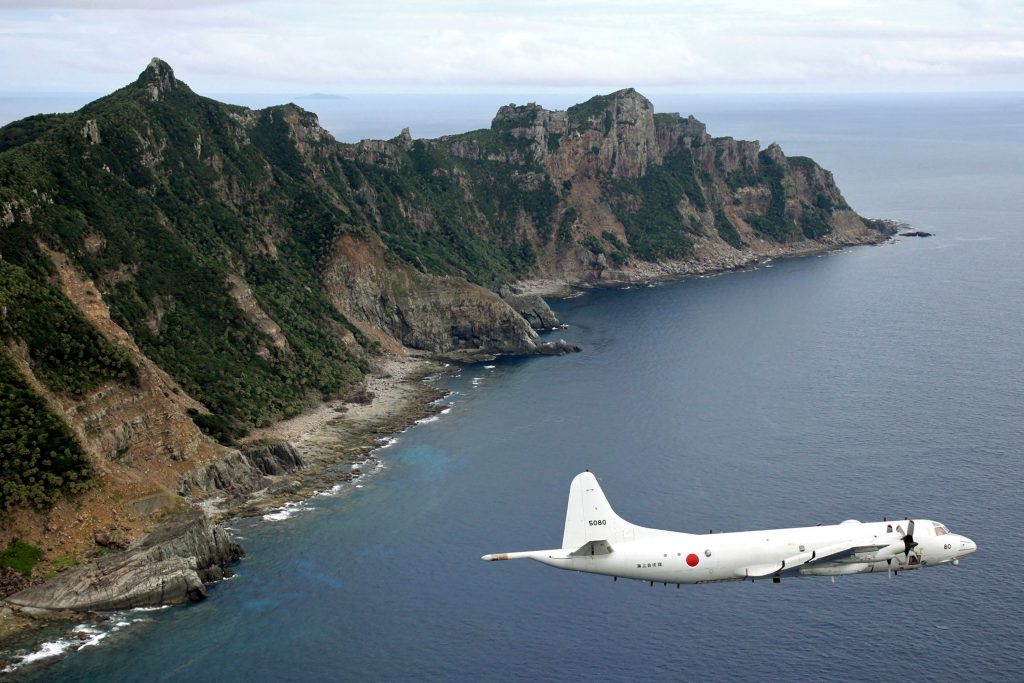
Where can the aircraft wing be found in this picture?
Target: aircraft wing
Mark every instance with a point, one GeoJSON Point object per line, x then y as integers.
{"type": "Point", "coordinates": [836, 551]}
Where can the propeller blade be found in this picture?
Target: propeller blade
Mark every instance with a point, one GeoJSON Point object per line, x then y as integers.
{"type": "Point", "coordinates": [908, 540]}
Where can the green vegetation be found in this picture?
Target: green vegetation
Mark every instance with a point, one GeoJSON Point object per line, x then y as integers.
{"type": "Point", "coordinates": [774, 223]}
{"type": "Point", "coordinates": [613, 239]}
{"type": "Point", "coordinates": [565, 224]}
{"type": "Point", "coordinates": [727, 231]}
{"type": "Point", "coordinates": [40, 459]}
{"type": "Point", "coordinates": [665, 120]}
{"type": "Point", "coordinates": [814, 221]}
{"type": "Point", "coordinates": [656, 229]}
{"type": "Point", "coordinates": [21, 557]}
{"type": "Point", "coordinates": [61, 562]}
{"type": "Point", "coordinates": [176, 206]}
{"type": "Point", "coordinates": [618, 258]}
{"type": "Point", "coordinates": [744, 177]}
{"type": "Point", "coordinates": [597, 109]}
{"type": "Point", "coordinates": [66, 352]}
{"type": "Point", "coordinates": [593, 244]}
{"type": "Point", "coordinates": [224, 431]}
{"type": "Point", "coordinates": [27, 129]}
{"type": "Point", "coordinates": [446, 240]}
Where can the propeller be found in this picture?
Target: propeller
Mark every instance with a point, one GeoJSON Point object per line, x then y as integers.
{"type": "Point", "coordinates": [908, 541]}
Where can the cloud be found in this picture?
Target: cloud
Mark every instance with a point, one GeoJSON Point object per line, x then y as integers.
{"type": "Point", "coordinates": [404, 45]}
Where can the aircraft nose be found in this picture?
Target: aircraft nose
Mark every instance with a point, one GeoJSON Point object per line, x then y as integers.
{"type": "Point", "coordinates": [967, 546]}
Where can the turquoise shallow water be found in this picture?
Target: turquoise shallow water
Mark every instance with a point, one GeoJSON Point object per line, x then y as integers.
{"type": "Point", "coordinates": [874, 381]}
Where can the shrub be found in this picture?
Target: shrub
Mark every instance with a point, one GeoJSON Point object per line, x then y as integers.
{"type": "Point", "coordinates": [21, 557]}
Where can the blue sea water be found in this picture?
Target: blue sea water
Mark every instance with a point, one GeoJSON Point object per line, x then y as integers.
{"type": "Point", "coordinates": [875, 381]}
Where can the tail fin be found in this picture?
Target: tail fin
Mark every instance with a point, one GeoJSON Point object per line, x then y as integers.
{"type": "Point", "coordinates": [589, 517]}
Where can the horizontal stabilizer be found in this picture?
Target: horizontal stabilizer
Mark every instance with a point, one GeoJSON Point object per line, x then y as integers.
{"type": "Point", "coordinates": [592, 548]}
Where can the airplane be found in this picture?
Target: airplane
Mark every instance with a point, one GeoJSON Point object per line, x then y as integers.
{"type": "Point", "coordinates": [598, 541]}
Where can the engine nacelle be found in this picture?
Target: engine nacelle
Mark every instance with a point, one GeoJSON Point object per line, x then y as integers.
{"type": "Point", "coordinates": [892, 550]}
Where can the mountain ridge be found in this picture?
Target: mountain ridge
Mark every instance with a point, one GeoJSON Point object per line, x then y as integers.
{"type": "Point", "coordinates": [216, 268]}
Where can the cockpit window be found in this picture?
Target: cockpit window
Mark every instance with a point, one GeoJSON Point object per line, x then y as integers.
{"type": "Point", "coordinates": [940, 530]}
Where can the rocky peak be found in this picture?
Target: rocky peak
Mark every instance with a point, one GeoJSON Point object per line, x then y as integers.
{"type": "Point", "coordinates": [774, 153]}
{"type": "Point", "coordinates": [404, 139]}
{"type": "Point", "coordinates": [158, 78]}
{"type": "Point", "coordinates": [619, 129]}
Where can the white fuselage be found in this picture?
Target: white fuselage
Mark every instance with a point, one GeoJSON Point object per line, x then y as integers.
{"type": "Point", "coordinates": [598, 541]}
{"type": "Point", "coordinates": [673, 557]}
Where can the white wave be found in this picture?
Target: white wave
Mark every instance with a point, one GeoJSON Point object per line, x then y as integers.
{"type": "Point", "coordinates": [490, 367]}
{"type": "Point", "coordinates": [46, 650]}
{"type": "Point", "coordinates": [387, 442]}
{"type": "Point", "coordinates": [359, 486]}
{"type": "Point", "coordinates": [284, 512]}
{"type": "Point", "coordinates": [434, 418]}
{"type": "Point", "coordinates": [150, 609]}
{"type": "Point", "coordinates": [55, 648]}
{"type": "Point", "coordinates": [331, 491]}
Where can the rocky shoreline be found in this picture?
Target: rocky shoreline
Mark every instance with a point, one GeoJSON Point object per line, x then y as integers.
{"type": "Point", "coordinates": [709, 263]}
{"type": "Point", "coordinates": [293, 460]}
{"type": "Point", "coordinates": [289, 461]}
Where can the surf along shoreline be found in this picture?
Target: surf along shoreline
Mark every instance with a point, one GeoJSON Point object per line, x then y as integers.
{"type": "Point", "coordinates": [337, 439]}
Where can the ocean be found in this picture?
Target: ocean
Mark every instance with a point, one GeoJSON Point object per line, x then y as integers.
{"type": "Point", "coordinates": [869, 382]}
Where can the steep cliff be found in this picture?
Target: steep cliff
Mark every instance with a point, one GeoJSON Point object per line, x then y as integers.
{"type": "Point", "coordinates": [176, 270]}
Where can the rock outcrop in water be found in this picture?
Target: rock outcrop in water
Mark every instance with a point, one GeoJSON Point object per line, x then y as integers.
{"type": "Point", "coordinates": [168, 566]}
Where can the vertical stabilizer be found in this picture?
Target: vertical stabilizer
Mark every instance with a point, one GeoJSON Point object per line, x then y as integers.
{"type": "Point", "coordinates": [589, 517]}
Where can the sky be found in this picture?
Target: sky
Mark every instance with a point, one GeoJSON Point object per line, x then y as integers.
{"type": "Point", "coordinates": [451, 46]}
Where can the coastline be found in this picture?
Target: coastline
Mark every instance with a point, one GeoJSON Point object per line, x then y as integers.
{"type": "Point", "coordinates": [704, 262]}
{"type": "Point", "coordinates": [336, 438]}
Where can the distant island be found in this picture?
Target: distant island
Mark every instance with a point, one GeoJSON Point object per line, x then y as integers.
{"type": "Point", "coordinates": [187, 286]}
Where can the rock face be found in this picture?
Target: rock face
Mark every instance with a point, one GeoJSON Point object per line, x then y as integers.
{"type": "Point", "coordinates": [242, 471]}
{"type": "Point", "coordinates": [440, 314]}
{"type": "Point", "coordinates": [557, 348]}
{"type": "Point", "coordinates": [168, 566]}
{"type": "Point", "coordinates": [532, 307]}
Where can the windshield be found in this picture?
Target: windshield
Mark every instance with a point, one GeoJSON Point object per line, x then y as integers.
{"type": "Point", "coordinates": [940, 530]}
